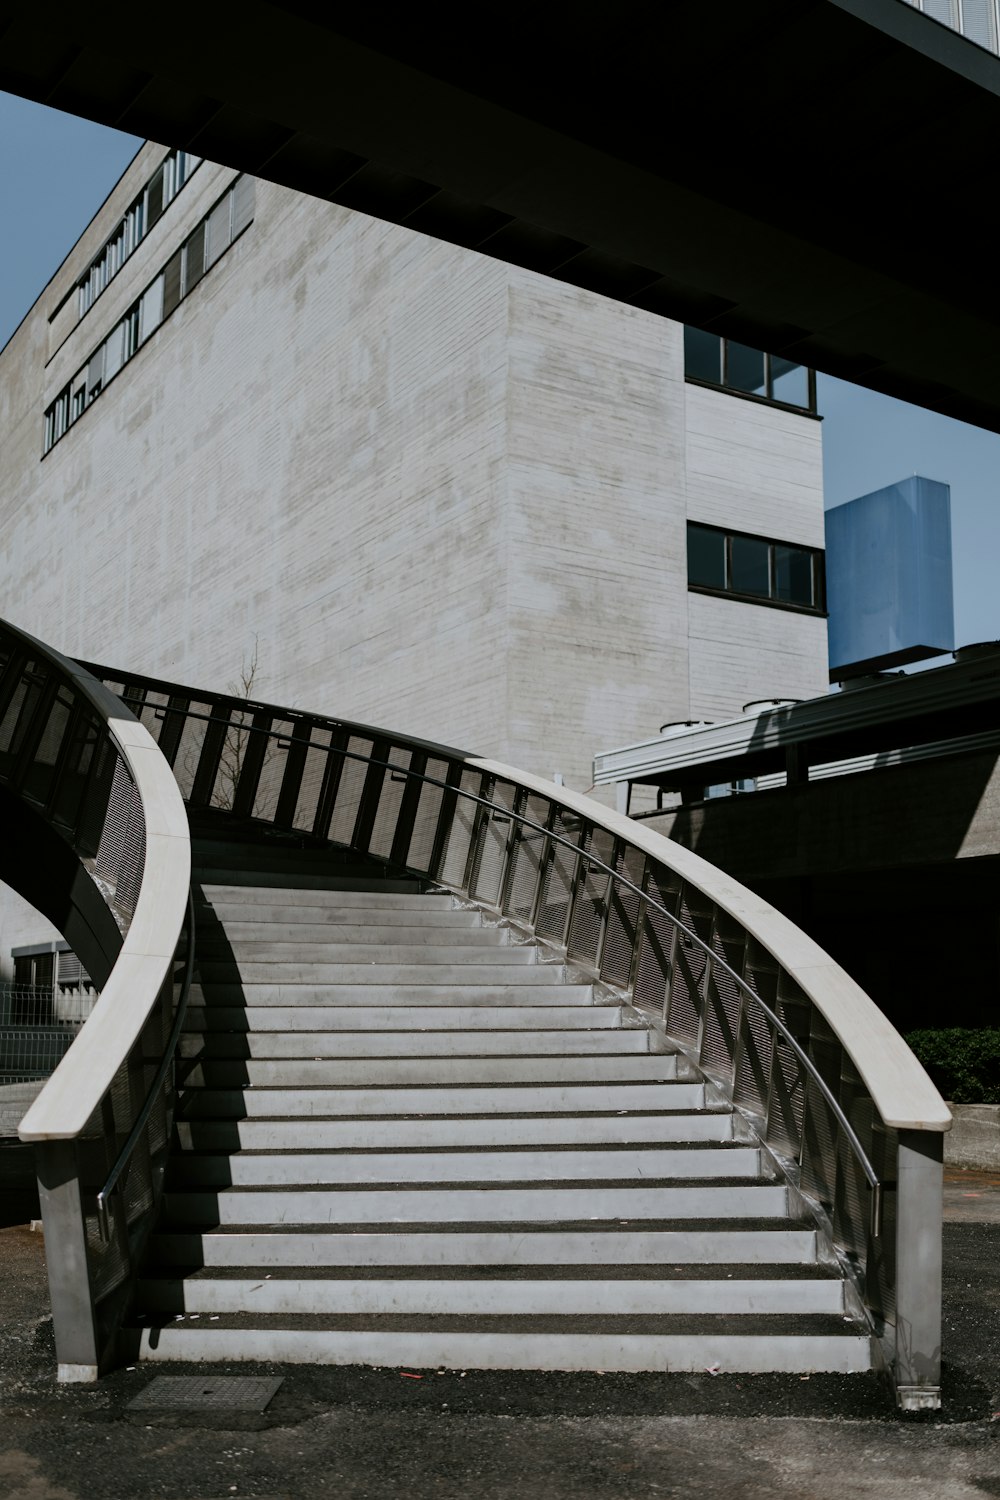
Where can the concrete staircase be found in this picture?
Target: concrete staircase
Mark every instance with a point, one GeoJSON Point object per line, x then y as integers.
{"type": "Point", "coordinates": [405, 1138]}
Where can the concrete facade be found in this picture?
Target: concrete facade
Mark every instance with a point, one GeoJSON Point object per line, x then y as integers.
{"type": "Point", "coordinates": [443, 493]}
{"type": "Point", "coordinates": [439, 492]}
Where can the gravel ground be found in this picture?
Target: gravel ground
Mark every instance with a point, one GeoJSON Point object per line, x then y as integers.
{"type": "Point", "coordinates": [363, 1434]}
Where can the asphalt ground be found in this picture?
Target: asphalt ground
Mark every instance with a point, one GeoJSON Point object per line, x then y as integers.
{"type": "Point", "coordinates": [362, 1434]}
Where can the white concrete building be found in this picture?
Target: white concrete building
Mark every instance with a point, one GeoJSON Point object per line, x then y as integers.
{"type": "Point", "coordinates": [437, 491]}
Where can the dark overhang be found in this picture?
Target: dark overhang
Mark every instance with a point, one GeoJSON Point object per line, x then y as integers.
{"type": "Point", "coordinates": [809, 176]}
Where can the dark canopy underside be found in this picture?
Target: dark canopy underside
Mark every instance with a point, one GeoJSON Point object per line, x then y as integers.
{"type": "Point", "coordinates": [810, 176]}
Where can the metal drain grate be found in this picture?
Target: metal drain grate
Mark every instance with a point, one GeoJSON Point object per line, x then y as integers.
{"type": "Point", "coordinates": [246, 1393]}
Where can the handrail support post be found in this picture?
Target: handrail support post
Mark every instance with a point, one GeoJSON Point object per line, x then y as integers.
{"type": "Point", "coordinates": [918, 1270]}
{"type": "Point", "coordinates": [66, 1258]}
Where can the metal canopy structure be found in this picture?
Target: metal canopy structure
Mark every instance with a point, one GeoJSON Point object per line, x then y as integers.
{"type": "Point", "coordinates": [802, 175]}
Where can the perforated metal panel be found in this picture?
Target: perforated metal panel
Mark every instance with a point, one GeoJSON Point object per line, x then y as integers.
{"type": "Point", "coordinates": [591, 904]}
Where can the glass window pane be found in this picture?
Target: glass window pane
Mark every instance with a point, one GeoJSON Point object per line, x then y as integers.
{"type": "Point", "coordinates": [194, 267]}
{"type": "Point", "coordinates": [745, 369]}
{"type": "Point", "coordinates": [750, 566]}
{"type": "Point", "coordinates": [154, 199]}
{"type": "Point", "coordinates": [703, 355]}
{"type": "Point", "coordinates": [172, 283]}
{"type": "Point", "coordinates": [151, 309]}
{"type": "Point", "coordinates": [793, 575]}
{"type": "Point", "coordinates": [706, 557]}
{"type": "Point", "coordinates": [217, 231]}
{"type": "Point", "coordinates": [978, 23]}
{"type": "Point", "coordinates": [789, 382]}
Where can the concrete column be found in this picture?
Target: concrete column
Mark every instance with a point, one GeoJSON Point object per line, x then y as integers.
{"type": "Point", "coordinates": [918, 1270]}
{"type": "Point", "coordinates": [66, 1260]}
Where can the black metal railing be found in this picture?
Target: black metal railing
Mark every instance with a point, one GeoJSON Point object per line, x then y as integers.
{"type": "Point", "coordinates": [613, 911]}
{"type": "Point", "coordinates": [77, 843]}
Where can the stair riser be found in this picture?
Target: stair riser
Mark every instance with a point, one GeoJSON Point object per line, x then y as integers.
{"type": "Point", "coordinates": [217, 893]}
{"type": "Point", "coordinates": [547, 1130]}
{"type": "Point", "coordinates": [289, 941]}
{"type": "Point", "coordinates": [367, 1167]}
{"type": "Point", "coordinates": [330, 1103]}
{"type": "Point", "coordinates": [474, 1205]}
{"type": "Point", "coordinates": [511, 1298]}
{"type": "Point", "coordinates": [530, 992]}
{"type": "Point", "coordinates": [452, 1044]}
{"type": "Point", "coordinates": [428, 1071]}
{"type": "Point", "coordinates": [507, 966]}
{"type": "Point", "coordinates": [791, 1247]}
{"type": "Point", "coordinates": [416, 1018]}
{"type": "Point", "coordinates": [220, 960]}
{"type": "Point", "coordinates": [267, 917]}
{"type": "Point", "coordinates": [488, 1351]}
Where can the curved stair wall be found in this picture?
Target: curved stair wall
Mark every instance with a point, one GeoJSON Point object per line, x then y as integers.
{"type": "Point", "coordinates": [97, 839]}
{"type": "Point", "coordinates": [774, 1025]}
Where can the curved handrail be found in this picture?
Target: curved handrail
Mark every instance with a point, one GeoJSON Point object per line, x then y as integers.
{"type": "Point", "coordinates": [88, 784]}
{"type": "Point", "coordinates": [87, 1071]}
{"type": "Point", "coordinates": [898, 1083]}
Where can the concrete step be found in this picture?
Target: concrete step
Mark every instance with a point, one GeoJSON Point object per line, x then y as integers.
{"type": "Point", "coordinates": [453, 1132]}
{"type": "Point", "coordinates": [231, 877]}
{"type": "Point", "coordinates": [372, 897]}
{"type": "Point", "coordinates": [287, 916]}
{"type": "Point", "coordinates": [426, 1044]}
{"type": "Point", "coordinates": [611, 1296]}
{"type": "Point", "coordinates": [315, 1168]}
{"type": "Point", "coordinates": [487, 1204]}
{"type": "Point", "coordinates": [288, 939]}
{"type": "Point", "coordinates": [776, 1245]}
{"type": "Point", "coordinates": [539, 991]}
{"type": "Point", "coordinates": [310, 1019]}
{"type": "Point", "coordinates": [359, 963]}
{"type": "Point", "coordinates": [426, 1072]}
{"type": "Point", "coordinates": [517, 1348]}
{"type": "Point", "coordinates": [278, 1103]}
{"type": "Point", "coordinates": [505, 966]}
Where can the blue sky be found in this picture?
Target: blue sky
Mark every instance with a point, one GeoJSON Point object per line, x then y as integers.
{"type": "Point", "coordinates": [56, 170]}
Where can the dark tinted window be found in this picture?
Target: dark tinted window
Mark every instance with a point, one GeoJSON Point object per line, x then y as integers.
{"type": "Point", "coordinates": [154, 200]}
{"type": "Point", "coordinates": [702, 355]}
{"type": "Point", "coordinates": [706, 557]}
{"type": "Point", "coordinates": [750, 570]}
{"type": "Point", "coordinates": [793, 575]}
{"type": "Point", "coordinates": [737, 367]}
{"type": "Point", "coordinates": [789, 382]}
{"type": "Point", "coordinates": [745, 369]}
{"type": "Point", "coordinates": [172, 283]}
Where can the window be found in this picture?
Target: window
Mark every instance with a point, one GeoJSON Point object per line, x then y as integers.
{"type": "Point", "coordinates": [755, 569]}
{"type": "Point", "coordinates": [160, 190]}
{"type": "Point", "coordinates": [182, 272]}
{"type": "Point", "coordinates": [714, 360]}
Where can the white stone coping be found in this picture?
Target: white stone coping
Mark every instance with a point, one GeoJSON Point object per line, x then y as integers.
{"type": "Point", "coordinates": [84, 1075]}
{"type": "Point", "coordinates": [903, 1094]}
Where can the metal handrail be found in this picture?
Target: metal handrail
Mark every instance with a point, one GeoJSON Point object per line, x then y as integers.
{"type": "Point", "coordinates": [815, 1076]}
{"type": "Point", "coordinates": [125, 1154]}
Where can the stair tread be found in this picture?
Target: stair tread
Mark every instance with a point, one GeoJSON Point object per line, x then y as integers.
{"type": "Point", "coordinates": [772, 1324]}
{"type": "Point", "coordinates": [488, 1056]}
{"type": "Point", "coordinates": [162, 1271]}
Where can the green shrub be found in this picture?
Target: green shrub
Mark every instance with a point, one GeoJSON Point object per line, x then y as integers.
{"type": "Point", "coordinates": [964, 1064]}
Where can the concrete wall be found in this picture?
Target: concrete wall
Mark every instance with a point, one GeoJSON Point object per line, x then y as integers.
{"type": "Point", "coordinates": [759, 469]}
{"type": "Point", "coordinates": [438, 492]}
